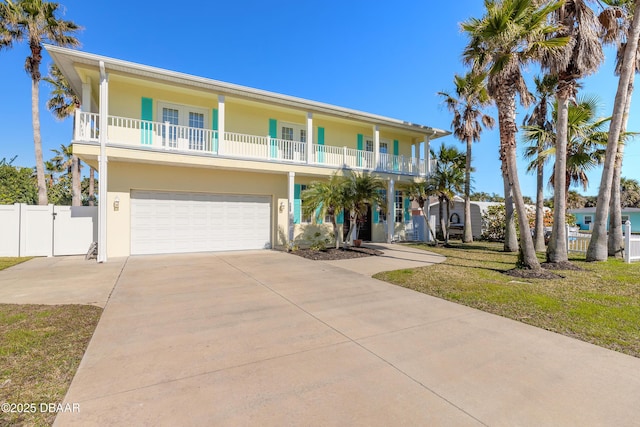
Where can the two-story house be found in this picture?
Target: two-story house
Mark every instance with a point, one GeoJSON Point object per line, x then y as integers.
{"type": "Point", "coordinates": [189, 164]}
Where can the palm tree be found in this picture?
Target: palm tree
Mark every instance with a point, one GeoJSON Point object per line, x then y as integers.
{"type": "Point", "coordinates": [512, 34]}
{"type": "Point", "coordinates": [598, 247]}
{"type": "Point", "coordinates": [578, 58]}
{"type": "Point", "coordinates": [63, 103]}
{"type": "Point", "coordinates": [468, 119]}
{"type": "Point", "coordinates": [324, 198]}
{"type": "Point", "coordinates": [630, 192]}
{"type": "Point", "coordinates": [446, 180]}
{"type": "Point", "coordinates": [419, 192]}
{"type": "Point", "coordinates": [616, 19]}
{"type": "Point", "coordinates": [586, 141]}
{"type": "Point", "coordinates": [36, 21]}
{"type": "Point", "coordinates": [539, 140]}
{"type": "Point", "coordinates": [360, 192]}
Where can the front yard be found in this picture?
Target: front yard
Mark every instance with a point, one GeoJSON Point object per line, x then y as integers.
{"type": "Point", "coordinates": [40, 349]}
{"type": "Point", "coordinates": [599, 304]}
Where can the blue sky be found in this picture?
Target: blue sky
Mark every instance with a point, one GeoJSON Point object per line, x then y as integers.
{"type": "Point", "coordinates": [388, 58]}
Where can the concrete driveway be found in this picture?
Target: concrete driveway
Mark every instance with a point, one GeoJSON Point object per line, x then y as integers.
{"type": "Point", "coordinates": [267, 338]}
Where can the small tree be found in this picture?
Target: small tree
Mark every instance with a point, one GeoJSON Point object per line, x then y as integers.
{"type": "Point", "coordinates": [326, 198]}
{"type": "Point", "coordinates": [361, 190]}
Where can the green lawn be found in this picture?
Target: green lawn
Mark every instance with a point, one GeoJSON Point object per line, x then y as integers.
{"type": "Point", "coordinates": [40, 349]}
{"type": "Point", "coordinates": [6, 262]}
{"type": "Point", "coordinates": [600, 304]}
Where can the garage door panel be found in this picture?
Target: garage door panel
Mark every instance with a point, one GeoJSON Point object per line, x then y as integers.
{"type": "Point", "coordinates": [172, 222]}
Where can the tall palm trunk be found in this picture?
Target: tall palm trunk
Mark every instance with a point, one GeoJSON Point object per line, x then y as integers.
{"type": "Point", "coordinates": [538, 234]}
{"type": "Point", "coordinates": [615, 244]}
{"type": "Point", "coordinates": [510, 235]}
{"type": "Point", "coordinates": [443, 225]}
{"type": "Point", "coordinates": [557, 249]}
{"type": "Point", "coordinates": [447, 222]}
{"type": "Point", "coordinates": [37, 143]}
{"type": "Point", "coordinates": [76, 197]}
{"type": "Point", "coordinates": [597, 250]}
{"type": "Point", "coordinates": [92, 187]}
{"type": "Point", "coordinates": [467, 234]}
{"type": "Point", "coordinates": [421, 203]}
{"type": "Point", "coordinates": [506, 102]}
{"type": "Point", "coordinates": [336, 231]}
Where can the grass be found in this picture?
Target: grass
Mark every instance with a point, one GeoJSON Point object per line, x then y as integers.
{"type": "Point", "coordinates": [600, 304]}
{"type": "Point", "coordinates": [6, 262]}
{"type": "Point", "coordinates": [40, 349]}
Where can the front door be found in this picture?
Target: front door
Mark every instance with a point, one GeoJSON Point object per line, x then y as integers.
{"type": "Point", "coordinates": [365, 228]}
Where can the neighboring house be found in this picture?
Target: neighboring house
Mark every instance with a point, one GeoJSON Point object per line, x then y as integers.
{"type": "Point", "coordinates": [456, 216]}
{"type": "Point", "coordinates": [191, 164]}
{"type": "Point", "coordinates": [586, 216]}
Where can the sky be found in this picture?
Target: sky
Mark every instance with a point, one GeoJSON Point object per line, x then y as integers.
{"type": "Point", "coordinates": [381, 57]}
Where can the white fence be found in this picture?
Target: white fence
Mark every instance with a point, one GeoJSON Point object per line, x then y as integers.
{"type": "Point", "coordinates": [28, 230]}
{"type": "Point", "coordinates": [631, 244]}
{"type": "Point", "coordinates": [579, 242]}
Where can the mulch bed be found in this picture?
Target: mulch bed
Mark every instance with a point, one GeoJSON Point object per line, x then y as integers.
{"type": "Point", "coordinates": [523, 273]}
{"type": "Point", "coordinates": [564, 265]}
{"type": "Point", "coordinates": [336, 254]}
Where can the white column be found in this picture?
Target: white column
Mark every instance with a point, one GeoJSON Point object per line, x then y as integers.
{"type": "Point", "coordinates": [220, 124]}
{"type": "Point", "coordinates": [102, 164]}
{"type": "Point", "coordinates": [376, 146]}
{"type": "Point", "coordinates": [426, 147]}
{"type": "Point", "coordinates": [291, 195]}
{"type": "Point", "coordinates": [391, 210]}
{"type": "Point", "coordinates": [310, 158]}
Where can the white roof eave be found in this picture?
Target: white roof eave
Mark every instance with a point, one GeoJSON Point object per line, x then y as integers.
{"type": "Point", "coordinates": [67, 59]}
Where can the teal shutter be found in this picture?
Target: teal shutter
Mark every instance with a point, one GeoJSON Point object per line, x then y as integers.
{"type": "Point", "coordinates": [340, 217]}
{"type": "Point", "coordinates": [297, 204]}
{"type": "Point", "coordinates": [360, 145]}
{"type": "Point", "coordinates": [376, 214]}
{"type": "Point", "coordinates": [273, 133]}
{"type": "Point", "coordinates": [395, 154]}
{"type": "Point", "coordinates": [407, 208]}
{"type": "Point", "coordinates": [319, 215]}
{"type": "Point", "coordinates": [320, 142]}
{"type": "Point", "coordinates": [214, 143]}
{"type": "Point", "coordinates": [146, 127]}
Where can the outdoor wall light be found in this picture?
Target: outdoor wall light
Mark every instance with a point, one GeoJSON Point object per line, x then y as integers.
{"type": "Point", "coordinates": [281, 207]}
{"type": "Point", "coordinates": [116, 204]}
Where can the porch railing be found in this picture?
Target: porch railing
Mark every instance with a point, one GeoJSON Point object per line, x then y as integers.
{"type": "Point", "coordinates": [166, 136]}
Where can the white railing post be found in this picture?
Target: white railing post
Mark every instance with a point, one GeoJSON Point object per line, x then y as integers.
{"type": "Point", "coordinates": [344, 156]}
{"type": "Point", "coordinates": [627, 242]}
{"type": "Point", "coordinates": [76, 131]}
{"type": "Point", "coordinates": [167, 138]}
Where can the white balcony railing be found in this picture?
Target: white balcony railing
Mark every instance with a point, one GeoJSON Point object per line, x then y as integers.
{"type": "Point", "coordinates": [168, 137]}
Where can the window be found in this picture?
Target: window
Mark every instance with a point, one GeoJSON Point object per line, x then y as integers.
{"type": "Point", "coordinates": [196, 136]}
{"type": "Point", "coordinates": [588, 219]}
{"type": "Point", "coordinates": [369, 145]}
{"type": "Point", "coordinates": [187, 126]}
{"type": "Point", "coordinates": [399, 207]}
{"type": "Point", "coordinates": [382, 209]}
{"type": "Point", "coordinates": [287, 133]}
{"type": "Point", "coordinates": [296, 133]}
{"type": "Point", "coordinates": [170, 115]}
{"type": "Point", "coordinates": [306, 219]}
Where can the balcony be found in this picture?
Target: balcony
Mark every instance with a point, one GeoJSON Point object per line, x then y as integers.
{"type": "Point", "coordinates": [182, 139]}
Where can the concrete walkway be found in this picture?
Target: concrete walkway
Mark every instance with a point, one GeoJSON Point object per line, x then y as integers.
{"type": "Point", "coordinates": [268, 338]}
{"type": "Point", "coordinates": [60, 280]}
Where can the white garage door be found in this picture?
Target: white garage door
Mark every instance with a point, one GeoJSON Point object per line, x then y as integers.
{"type": "Point", "coordinates": [172, 222]}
